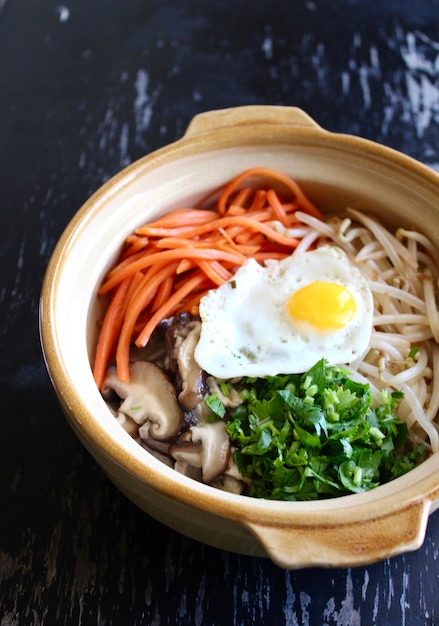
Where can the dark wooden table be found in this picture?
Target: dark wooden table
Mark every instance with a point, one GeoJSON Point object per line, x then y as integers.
{"type": "Point", "coordinates": [86, 87]}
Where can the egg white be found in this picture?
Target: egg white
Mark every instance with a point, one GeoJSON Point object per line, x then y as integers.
{"type": "Point", "coordinates": [247, 332]}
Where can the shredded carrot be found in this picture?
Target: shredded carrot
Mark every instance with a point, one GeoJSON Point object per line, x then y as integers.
{"type": "Point", "coordinates": [267, 172]}
{"type": "Point", "coordinates": [277, 207]}
{"type": "Point", "coordinates": [163, 293]}
{"type": "Point", "coordinates": [184, 266]}
{"type": "Point", "coordinates": [134, 244]}
{"type": "Point", "coordinates": [215, 271]}
{"type": "Point", "coordinates": [111, 326]}
{"type": "Point", "coordinates": [168, 308]}
{"type": "Point", "coordinates": [169, 255]}
{"type": "Point", "coordinates": [169, 264]}
{"type": "Point", "coordinates": [173, 219]}
{"type": "Point", "coordinates": [143, 296]}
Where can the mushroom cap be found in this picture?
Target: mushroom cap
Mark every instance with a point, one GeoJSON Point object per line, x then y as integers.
{"type": "Point", "coordinates": [148, 398]}
{"type": "Point", "coordinates": [182, 337]}
{"type": "Point", "coordinates": [206, 446]}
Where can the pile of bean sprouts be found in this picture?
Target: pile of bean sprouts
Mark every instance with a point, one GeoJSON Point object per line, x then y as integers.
{"type": "Point", "coordinates": [402, 272]}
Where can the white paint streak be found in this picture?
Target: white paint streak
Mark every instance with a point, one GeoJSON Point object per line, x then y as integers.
{"type": "Point", "coordinates": [345, 83]}
{"type": "Point", "coordinates": [376, 604]}
{"type": "Point", "coordinates": [267, 44]}
{"type": "Point", "coordinates": [200, 602]}
{"type": "Point", "coordinates": [305, 601]}
{"type": "Point", "coordinates": [318, 62]}
{"type": "Point", "coordinates": [391, 588]}
{"type": "Point", "coordinates": [365, 88]}
{"type": "Point", "coordinates": [375, 61]}
{"type": "Point", "coordinates": [421, 57]}
{"type": "Point", "coordinates": [365, 585]}
{"type": "Point", "coordinates": [330, 608]}
{"type": "Point", "coordinates": [415, 101]}
{"type": "Point", "coordinates": [403, 599]}
{"type": "Point", "coordinates": [142, 105]}
{"type": "Point", "coordinates": [196, 96]}
{"type": "Point", "coordinates": [123, 145]}
{"type": "Point", "coordinates": [290, 598]}
{"type": "Point", "coordinates": [63, 13]}
{"type": "Point", "coordinates": [107, 131]}
{"type": "Point", "coordinates": [366, 72]}
{"type": "Point", "coordinates": [348, 615]}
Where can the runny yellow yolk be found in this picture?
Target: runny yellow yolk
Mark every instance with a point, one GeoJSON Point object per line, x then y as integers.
{"type": "Point", "coordinates": [326, 306]}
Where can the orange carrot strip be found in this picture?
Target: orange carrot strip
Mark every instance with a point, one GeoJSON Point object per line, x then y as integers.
{"type": "Point", "coordinates": [163, 293]}
{"type": "Point", "coordinates": [168, 308]}
{"type": "Point", "coordinates": [184, 266]}
{"type": "Point", "coordinates": [135, 285]}
{"type": "Point", "coordinates": [248, 237]}
{"type": "Point", "coordinates": [170, 255]}
{"type": "Point", "coordinates": [258, 200]}
{"type": "Point", "coordinates": [264, 256]}
{"type": "Point", "coordinates": [134, 245]}
{"type": "Point", "coordinates": [234, 209]}
{"type": "Point", "coordinates": [242, 196]}
{"type": "Point", "coordinates": [242, 221]}
{"type": "Point", "coordinates": [262, 215]}
{"type": "Point", "coordinates": [247, 250]}
{"type": "Point", "coordinates": [277, 207]}
{"type": "Point", "coordinates": [190, 232]}
{"type": "Point", "coordinates": [191, 305]}
{"type": "Point", "coordinates": [150, 283]}
{"type": "Point", "coordinates": [109, 332]}
{"type": "Point", "coordinates": [124, 262]}
{"type": "Point", "coordinates": [178, 217]}
{"type": "Point", "coordinates": [258, 226]}
{"type": "Point", "coordinates": [290, 207]}
{"type": "Point", "coordinates": [306, 204]}
{"type": "Point", "coordinates": [226, 236]}
{"type": "Point", "coordinates": [177, 231]}
{"type": "Point", "coordinates": [132, 312]}
{"type": "Point", "coordinates": [180, 242]}
{"type": "Point", "coordinates": [214, 271]}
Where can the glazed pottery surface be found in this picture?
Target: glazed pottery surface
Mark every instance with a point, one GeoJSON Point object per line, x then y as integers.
{"type": "Point", "coordinates": [335, 171]}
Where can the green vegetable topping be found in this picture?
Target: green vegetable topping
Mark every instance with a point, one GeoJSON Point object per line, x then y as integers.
{"type": "Point", "coordinates": [215, 405]}
{"type": "Point", "coordinates": [316, 435]}
{"type": "Point", "coordinates": [413, 352]}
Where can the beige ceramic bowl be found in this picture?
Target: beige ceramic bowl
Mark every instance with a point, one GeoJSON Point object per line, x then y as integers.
{"type": "Point", "coordinates": [335, 170]}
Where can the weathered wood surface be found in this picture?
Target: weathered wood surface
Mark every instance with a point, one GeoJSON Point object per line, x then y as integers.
{"type": "Point", "coordinates": [85, 88]}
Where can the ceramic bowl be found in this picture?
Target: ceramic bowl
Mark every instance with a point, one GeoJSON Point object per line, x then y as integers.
{"type": "Point", "coordinates": [335, 170]}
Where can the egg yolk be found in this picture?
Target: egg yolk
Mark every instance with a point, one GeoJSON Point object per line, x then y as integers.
{"type": "Point", "coordinates": [326, 306]}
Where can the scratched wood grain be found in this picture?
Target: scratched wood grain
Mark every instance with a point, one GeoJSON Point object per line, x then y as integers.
{"type": "Point", "coordinates": [86, 88]}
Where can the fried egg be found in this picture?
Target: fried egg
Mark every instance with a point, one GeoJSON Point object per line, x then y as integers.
{"type": "Point", "coordinates": [283, 317]}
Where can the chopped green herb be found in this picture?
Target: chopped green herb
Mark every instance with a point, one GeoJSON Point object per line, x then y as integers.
{"type": "Point", "coordinates": [413, 352]}
{"type": "Point", "coordinates": [215, 405]}
{"type": "Point", "coordinates": [317, 435]}
{"type": "Point", "coordinates": [225, 387]}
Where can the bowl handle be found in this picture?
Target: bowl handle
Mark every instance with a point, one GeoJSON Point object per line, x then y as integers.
{"type": "Point", "coordinates": [346, 545]}
{"type": "Point", "coordinates": [249, 115]}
